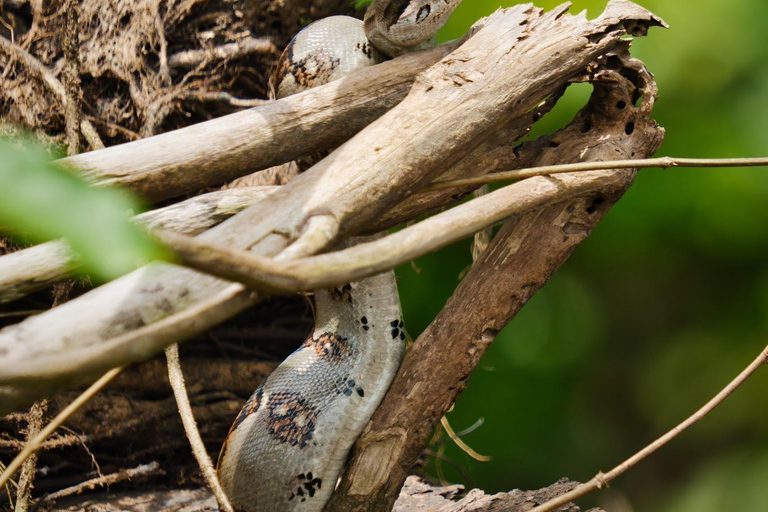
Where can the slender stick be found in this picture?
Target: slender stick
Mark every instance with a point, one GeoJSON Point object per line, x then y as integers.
{"type": "Point", "coordinates": [271, 275]}
{"type": "Point", "coordinates": [176, 378]}
{"type": "Point", "coordinates": [105, 480]}
{"type": "Point", "coordinates": [34, 445]}
{"type": "Point", "coordinates": [35, 420]}
{"type": "Point", "coordinates": [460, 443]}
{"type": "Point", "coordinates": [601, 479]}
{"type": "Point", "coordinates": [663, 162]}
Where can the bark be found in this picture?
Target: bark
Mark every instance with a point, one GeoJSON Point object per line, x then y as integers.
{"type": "Point", "coordinates": [453, 107]}
{"type": "Point", "coordinates": [521, 259]}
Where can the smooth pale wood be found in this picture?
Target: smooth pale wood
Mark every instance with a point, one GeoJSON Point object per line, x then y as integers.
{"type": "Point", "coordinates": [514, 60]}
{"type": "Point", "coordinates": [36, 268]}
{"type": "Point", "coordinates": [519, 261]}
{"type": "Point", "coordinates": [222, 149]}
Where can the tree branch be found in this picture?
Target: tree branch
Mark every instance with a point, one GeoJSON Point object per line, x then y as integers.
{"type": "Point", "coordinates": [521, 259]}
{"type": "Point", "coordinates": [516, 59]}
{"type": "Point", "coordinates": [38, 267]}
{"type": "Point", "coordinates": [225, 148]}
{"type": "Point", "coordinates": [271, 276]}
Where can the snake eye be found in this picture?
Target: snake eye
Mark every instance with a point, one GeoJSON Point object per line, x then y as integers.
{"type": "Point", "coordinates": [422, 14]}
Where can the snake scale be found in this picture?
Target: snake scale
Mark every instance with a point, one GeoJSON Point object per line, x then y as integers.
{"type": "Point", "coordinates": [287, 447]}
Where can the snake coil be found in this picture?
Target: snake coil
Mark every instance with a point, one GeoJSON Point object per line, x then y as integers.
{"type": "Point", "coordinates": [287, 447]}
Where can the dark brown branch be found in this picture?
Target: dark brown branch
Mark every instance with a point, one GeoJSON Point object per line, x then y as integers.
{"type": "Point", "coordinates": [522, 257]}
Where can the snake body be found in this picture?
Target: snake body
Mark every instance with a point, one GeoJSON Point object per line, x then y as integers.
{"type": "Point", "coordinates": [287, 447]}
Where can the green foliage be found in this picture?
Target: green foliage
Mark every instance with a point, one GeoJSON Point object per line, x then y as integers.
{"type": "Point", "coordinates": [657, 310]}
{"type": "Point", "coordinates": [39, 201]}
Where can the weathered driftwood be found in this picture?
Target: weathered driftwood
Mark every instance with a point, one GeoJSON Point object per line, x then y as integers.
{"type": "Point", "coordinates": [41, 266]}
{"type": "Point", "coordinates": [416, 496]}
{"type": "Point", "coordinates": [518, 57]}
{"type": "Point", "coordinates": [520, 260]}
{"type": "Point", "coordinates": [225, 148]}
{"type": "Point", "coordinates": [364, 260]}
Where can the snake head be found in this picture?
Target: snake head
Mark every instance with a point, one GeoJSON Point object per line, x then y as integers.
{"type": "Point", "coordinates": [395, 27]}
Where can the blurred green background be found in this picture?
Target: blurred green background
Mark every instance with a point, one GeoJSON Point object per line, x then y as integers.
{"type": "Point", "coordinates": [656, 311]}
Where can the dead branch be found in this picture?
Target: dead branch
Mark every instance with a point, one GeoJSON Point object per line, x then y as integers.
{"type": "Point", "coordinates": [246, 47]}
{"type": "Point", "coordinates": [364, 260]}
{"type": "Point", "coordinates": [220, 150]}
{"type": "Point", "coordinates": [105, 481]}
{"type": "Point", "coordinates": [601, 480]}
{"type": "Point", "coordinates": [456, 104]}
{"type": "Point", "coordinates": [35, 443]}
{"type": "Point", "coordinates": [41, 266]}
{"type": "Point", "coordinates": [176, 378]}
{"type": "Point", "coordinates": [29, 468]}
{"type": "Point", "coordinates": [520, 260]}
{"type": "Point", "coordinates": [71, 46]}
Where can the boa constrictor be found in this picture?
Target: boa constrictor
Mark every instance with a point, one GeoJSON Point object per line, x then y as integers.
{"type": "Point", "coordinates": [289, 443]}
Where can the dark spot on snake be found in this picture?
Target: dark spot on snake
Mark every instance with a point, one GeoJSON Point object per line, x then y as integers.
{"type": "Point", "coordinates": [364, 319]}
{"type": "Point", "coordinates": [402, 335]}
{"type": "Point", "coordinates": [422, 14]}
{"type": "Point", "coordinates": [330, 347]}
{"type": "Point", "coordinates": [360, 391]}
{"type": "Point", "coordinates": [365, 327]}
{"type": "Point", "coordinates": [290, 418]}
{"type": "Point", "coordinates": [395, 332]}
{"type": "Point", "coordinates": [347, 392]}
{"type": "Point", "coordinates": [306, 485]}
{"type": "Point", "coordinates": [400, 325]}
{"type": "Point", "coordinates": [350, 383]}
{"type": "Point", "coordinates": [394, 323]}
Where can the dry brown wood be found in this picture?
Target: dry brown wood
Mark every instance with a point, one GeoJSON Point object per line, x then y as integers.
{"type": "Point", "coordinates": [520, 260]}
{"type": "Point", "coordinates": [514, 60]}
{"type": "Point", "coordinates": [220, 150]}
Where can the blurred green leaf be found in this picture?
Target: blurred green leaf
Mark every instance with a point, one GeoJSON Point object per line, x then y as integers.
{"type": "Point", "coordinates": [39, 201]}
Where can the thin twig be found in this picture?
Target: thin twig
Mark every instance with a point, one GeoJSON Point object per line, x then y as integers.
{"type": "Point", "coordinates": [29, 468]}
{"type": "Point", "coordinates": [176, 378]}
{"type": "Point", "coordinates": [224, 97]}
{"type": "Point", "coordinates": [601, 480]}
{"type": "Point", "coordinates": [71, 75]}
{"type": "Point", "coordinates": [460, 443]}
{"type": "Point", "coordinates": [50, 444]}
{"type": "Point", "coordinates": [663, 162]}
{"type": "Point", "coordinates": [112, 478]}
{"type": "Point", "coordinates": [53, 84]}
{"type": "Point", "coordinates": [363, 260]}
{"type": "Point", "coordinates": [34, 445]}
{"type": "Point", "coordinates": [192, 58]}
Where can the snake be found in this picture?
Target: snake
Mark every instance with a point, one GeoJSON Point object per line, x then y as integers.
{"type": "Point", "coordinates": [288, 445]}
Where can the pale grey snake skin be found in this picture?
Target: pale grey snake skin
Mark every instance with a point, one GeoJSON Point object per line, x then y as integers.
{"type": "Point", "coordinates": [287, 447]}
